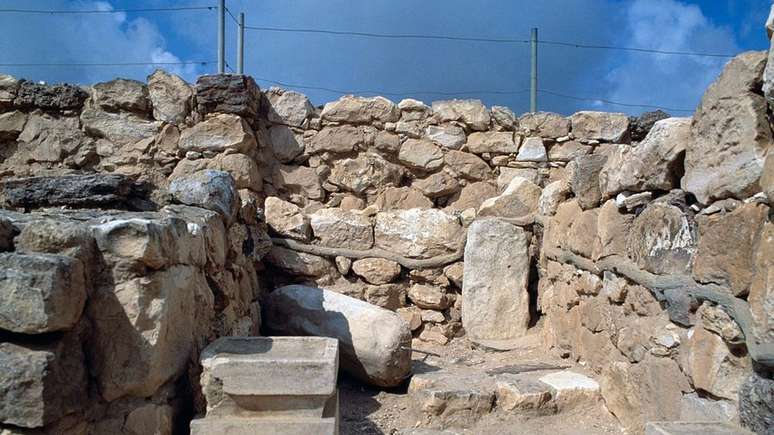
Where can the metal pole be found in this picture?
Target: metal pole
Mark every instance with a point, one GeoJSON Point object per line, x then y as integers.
{"type": "Point", "coordinates": [241, 45]}
{"type": "Point", "coordinates": [533, 72]}
{"type": "Point", "coordinates": [221, 36]}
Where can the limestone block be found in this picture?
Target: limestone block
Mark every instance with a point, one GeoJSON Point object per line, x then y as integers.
{"type": "Point", "coordinates": [387, 296]}
{"type": "Point", "coordinates": [712, 366]}
{"type": "Point", "coordinates": [12, 124]}
{"type": "Point", "coordinates": [219, 133]}
{"type": "Point", "coordinates": [40, 293]}
{"type": "Point", "coordinates": [495, 298]}
{"type": "Point", "coordinates": [437, 185]}
{"type": "Point", "coordinates": [651, 165]}
{"type": "Point", "coordinates": [288, 107]}
{"type": "Point", "coordinates": [337, 228]}
{"type": "Point", "coordinates": [75, 191]}
{"type": "Point", "coordinates": [421, 154]}
{"type": "Point", "coordinates": [504, 117]}
{"type": "Point", "coordinates": [731, 134]}
{"type": "Point", "coordinates": [523, 394]}
{"type": "Point", "coordinates": [299, 263]}
{"type": "Point", "coordinates": [472, 196]}
{"type": "Point", "coordinates": [401, 198]}
{"type": "Point", "coordinates": [641, 125]}
{"type": "Point", "coordinates": [584, 179]}
{"type": "Point", "coordinates": [286, 219]}
{"type": "Point", "coordinates": [285, 143]}
{"type": "Point", "coordinates": [381, 359]}
{"type": "Point", "coordinates": [473, 113]}
{"type": "Point", "coordinates": [49, 138]}
{"type": "Point", "coordinates": [122, 95]}
{"type": "Point", "coordinates": [467, 165]}
{"type": "Point", "coordinates": [418, 233]}
{"type": "Point", "coordinates": [360, 110]}
{"type": "Point", "coordinates": [571, 388]}
{"type": "Point", "coordinates": [612, 229]}
{"type": "Point", "coordinates": [452, 399]}
{"type": "Point", "coordinates": [366, 173]}
{"type": "Point", "coordinates": [552, 195]}
{"type": "Point", "coordinates": [252, 426]}
{"type": "Point", "coordinates": [337, 139]}
{"type": "Point", "coordinates": [493, 142]}
{"type": "Point", "coordinates": [42, 382]}
{"type": "Point", "coordinates": [210, 189]}
{"type": "Point", "coordinates": [545, 124]}
{"type": "Point", "coordinates": [8, 87]}
{"type": "Point", "coordinates": [121, 128]}
{"type": "Point", "coordinates": [428, 297]}
{"type": "Point", "coordinates": [662, 240]}
{"type": "Point", "coordinates": [299, 180]}
{"type": "Point", "coordinates": [567, 151]}
{"type": "Point", "coordinates": [228, 93]}
{"type": "Point", "coordinates": [518, 201]}
{"type": "Point", "coordinates": [725, 252]}
{"type": "Point", "coordinates": [448, 136]}
{"type": "Point", "coordinates": [171, 97]}
{"type": "Point", "coordinates": [601, 126]}
{"type": "Point", "coordinates": [762, 288]}
{"type": "Point", "coordinates": [376, 270]}
{"type": "Point", "coordinates": [532, 150]}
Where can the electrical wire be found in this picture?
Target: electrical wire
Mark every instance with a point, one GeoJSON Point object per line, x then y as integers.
{"type": "Point", "coordinates": [616, 103]}
{"type": "Point", "coordinates": [104, 64]}
{"type": "Point", "coordinates": [387, 35]}
{"type": "Point", "coordinates": [99, 11]}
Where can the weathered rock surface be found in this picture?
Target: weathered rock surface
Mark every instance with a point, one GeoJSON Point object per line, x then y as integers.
{"type": "Point", "coordinates": [122, 95]}
{"type": "Point", "coordinates": [467, 165]}
{"type": "Point", "coordinates": [662, 240]}
{"type": "Point", "coordinates": [11, 125]}
{"type": "Point", "coordinates": [712, 366]}
{"type": "Point", "coordinates": [301, 180]}
{"type": "Point", "coordinates": [49, 97]}
{"type": "Point", "coordinates": [428, 297]}
{"type": "Point", "coordinates": [421, 154]}
{"type": "Point", "coordinates": [286, 219]}
{"type": "Point", "coordinates": [171, 97]}
{"type": "Point", "coordinates": [448, 136]}
{"type": "Point", "coordinates": [337, 228]}
{"type": "Point", "coordinates": [495, 298]}
{"type": "Point", "coordinates": [288, 107]}
{"type": "Point", "coordinates": [654, 164]}
{"type": "Point", "coordinates": [756, 403]}
{"type": "Point", "coordinates": [492, 142]}
{"type": "Point", "coordinates": [376, 271]}
{"type": "Point", "coordinates": [437, 185]}
{"type": "Point", "coordinates": [40, 293]}
{"type": "Point", "coordinates": [49, 138]}
{"type": "Point", "coordinates": [76, 191]}
{"type": "Point", "coordinates": [381, 359]}
{"type": "Point", "coordinates": [121, 128]}
{"type": "Point", "coordinates": [213, 190]}
{"type": "Point", "coordinates": [219, 133]}
{"type": "Point", "coordinates": [365, 173]}
{"type": "Point", "coordinates": [418, 233]}
{"type": "Point", "coordinates": [285, 143]}
{"type": "Point", "coordinates": [601, 126]}
{"type": "Point", "coordinates": [518, 201]}
{"type": "Point", "coordinates": [471, 112]}
{"type": "Point", "coordinates": [584, 180]}
{"type": "Point", "coordinates": [532, 150]}
{"type": "Point", "coordinates": [228, 93]}
{"type": "Point", "coordinates": [642, 124]}
{"type": "Point", "coordinates": [299, 263]}
{"type": "Point", "coordinates": [360, 110]}
{"type": "Point", "coordinates": [762, 287]}
{"type": "Point", "coordinates": [731, 134]}
{"type": "Point", "coordinates": [337, 139]}
{"type": "Point", "coordinates": [401, 198]}
{"type": "Point", "coordinates": [545, 124]}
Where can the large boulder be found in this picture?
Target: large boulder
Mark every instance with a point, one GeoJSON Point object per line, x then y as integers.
{"type": "Point", "coordinates": [337, 228]}
{"type": "Point", "coordinates": [122, 127]}
{"type": "Point", "coordinates": [421, 154]}
{"type": "Point", "coordinates": [50, 138]}
{"type": "Point", "coordinates": [418, 233]}
{"type": "Point", "coordinates": [360, 110]}
{"type": "Point", "coordinates": [493, 142]}
{"type": "Point", "coordinates": [726, 248]}
{"type": "Point", "coordinates": [654, 164]}
{"type": "Point", "coordinates": [75, 191]}
{"type": "Point", "coordinates": [365, 173]}
{"type": "Point", "coordinates": [601, 126]}
{"type": "Point", "coordinates": [472, 196]}
{"type": "Point", "coordinates": [731, 134]}
{"type": "Point", "coordinates": [374, 342]}
{"type": "Point", "coordinates": [662, 240]}
{"type": "Point", "coordinates": [171, 97]}
{"type": "Point", "coordinates": [122, 95]}
{"type": "Point", "coordinates": [40, 293]}
{"type": "Point", "coordinates": [518, 201]}
{"type": "Point", "coordinates": [288, 107]}
{"type": "Point", "coordinates": [545, 124]}
{"type": "Point", "coordinates": [473, 113]}
{"type": "Point", "coordinates": [242, 168]}
{"type": "Point", "coordinates": [219, 133]}
{"type": "Point", "coordinates": [448, 136]}
{"type": "Point", "coordinates": [467, 165]}
{"type": "Point", "coordinates": [286, 219]}
{"type": "Point", "coordinates": [210, 189]}
{"type": "Point", "coordinates": [337, 139]}
{"type": "Point", "coordinates": [41, 382]}
{"type": "Point", "coordinates": [31, 95]}
{"type": "Point", "coordinates": [495, 298]}
{"type": "Point", "coordinates": [228, 93]}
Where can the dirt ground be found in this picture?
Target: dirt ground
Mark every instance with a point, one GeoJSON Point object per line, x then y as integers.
{"type": "Point", "coordinates": [366, 410]}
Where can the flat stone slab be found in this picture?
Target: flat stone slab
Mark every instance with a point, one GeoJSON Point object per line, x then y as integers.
{"type": "Point", "coordinates": [572, 388]}
{"type": "Point", "coordinates": [693, 428]}
{"type": "Point", "coordinates": [273, 426]}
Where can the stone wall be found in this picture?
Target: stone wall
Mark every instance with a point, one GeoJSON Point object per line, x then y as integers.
{"type": "Point", "coordinates": [641, 246]}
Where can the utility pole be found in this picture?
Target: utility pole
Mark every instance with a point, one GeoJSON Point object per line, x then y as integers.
{"type": "Point", "coordinates": [221, 36]}
{"type": "Point", "coordinates": [241, 45]}
{"type": "Point", "coordinates": [534, 72]}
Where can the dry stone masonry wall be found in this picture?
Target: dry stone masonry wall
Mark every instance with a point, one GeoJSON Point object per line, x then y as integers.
{"type": "Point", "coordinates": [143, 221]}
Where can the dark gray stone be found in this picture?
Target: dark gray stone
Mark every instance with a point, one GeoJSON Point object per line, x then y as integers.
{"type": "Point", "coordinates": [49, 97]}
{"type": "Point", "coordinates": [756, 404]}
{"type": "Point", "coordinates": [641, 125]}
{"type": "Point", "coordinates": [210, 189]}
{"type": "Point", "coordinates": [228, 93]}
{"type": "Point", "coordinates": [6, 235]}
{"type": "Point", "coordinates": [585, 179]}
{"type": "Point", "coordinates": [76, 191]}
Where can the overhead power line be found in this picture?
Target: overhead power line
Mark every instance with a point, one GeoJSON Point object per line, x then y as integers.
{"type": "Point", "coordinates": [615, 103]}
{"type": "Point", "coordinates": [198, 62]}
{"type": "Point", "coordinates": [233, 18]}
{"type": "Point", "coordinates": [636, 49]}
{"type": "Point", "coordinates": [101, 11]}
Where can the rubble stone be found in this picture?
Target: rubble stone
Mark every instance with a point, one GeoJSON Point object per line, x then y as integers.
{"type": "Point", "coordinates": [417, 233]}
{"type": "Point", "coordinates": [601, 126]}
{"type": "Point", "coordinates": [171, 97]}
{"type": "Point", "coordinates": [228, 93]}
{"type": "Point", "coordinates": [471, 112]}
{"type": "Point", "coordinates": [360, 110]}
{"type": "Point", "coordinates": [337, 228]}
{"type": "Point", "coordinates": [220, 133]}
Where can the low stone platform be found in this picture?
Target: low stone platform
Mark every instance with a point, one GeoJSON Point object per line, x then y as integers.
{"type": "Point", "coordinates": [693, 428]}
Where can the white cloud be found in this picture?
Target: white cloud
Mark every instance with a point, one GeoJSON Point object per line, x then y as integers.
{"type": "Point", "coordinates": [667, 80]}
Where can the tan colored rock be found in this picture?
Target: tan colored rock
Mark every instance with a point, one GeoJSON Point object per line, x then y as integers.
{"type": "Point", "coordinates": [601, 126]}
{"type": "Point", "coordinates": [567, 151]}
{"type": "Point", "coordinates": [715, 319]}
{"type": "Point", "coordinates": [467, 165]}
{"type": "Point", "coordinates": [299, 180]}
{"type": "Point", "coordinates": [612, 230]}
{"type": "Point", "coordinates": [420, 154]}
{"type": "Point", "coordinates": [455, 273]}
{"type": "Point", "coordinates": [299, 263]}
{"type": "Point", "coordinates": [647, 391]}
{"type": "Point", "coordinates": [437, 185]}
{"type": "Point", "coordinates": [387, 142]}
{"type": "Point", "coordinates": [448, 136]}
{"type": "Point", "coordinates": [471, 112]}
{"type": "Point", "coordinates": [288, 107]}
{"type": "Point", "coordinates": [360, 110]}
{"type": "Point", "coordinates": [725, 248]}
{"type": "Point", "coordinates": [545, 124]}
{"type": "Point", "coordinates": [401, 198]}
{"type": "Point", "coordinates": [523, 394]}
{"type": "Point", "coordinates": [49, 138]}
{"type": "Point", "coordinates": [8, 88]}
{"type": "Point", "coordinates": [532, 150]}
{"type": "Point", "coordinates": [428, 297]}
{"type": "Point", "coordinates": [652, 164]}
{"type": "Point", "coordinates": [242, 168]}
{"type": "Point", "coordinates": [584, 179]}
{"type": "Point", "coordinates": [286, 219]}
{"type": "Point", "coordinates": [337, 228]}
{"type": "Point", "coordinates": [552, 195]}
{"type": "Point", "coordinates": [337, 139]}
{"type": "Point", "coordinates": [121, 128]}
{"type": "Point", "coordinates": [418, 233]}
{"type": "Point", "coordinates": [662, 240]}
{"type": "Point", "coordinates": [712, 366]}
{"type": "Point", "coordinates": [731, 134]}
{"type": "Point", "coordinates": [557, 229]}
{"type": "Point", "coordinates": [285, 143]}
{"type": "Point", "coordinates": [122, 94]}
{"type": "Point", "coordinates": [508, 174]}
{"type": "Point", "coordinates": [387, 296]}
{"type": "Point", "coordinates": [412, 316]}
{"type": "Point", "coordinates": [170, 96]}
{"type": "Point", "coordinates": [219, 133]}
{"type": "Point", "coordinates": [472, 196]}
{"type": "Point", "coordinates": [518, 201]}
{"type": "Point", "coordinates": [504, 117]}
{"type": "Point", "coordinates": [493, 142]}
{"type": "Point", "coordinates": [583, 238]}
{"type": "Point", "coordinates": [12, 124]}
{"type": "Point", "coordinates": [767, 179]}
{"type": "Point", "coordinates": [495, 297]}
{"type": "Point", "coordinates": [376, 271]}
{"type": "Point", "coordinates": [366, 173]}
{"type": "Point", "coordinates": [762, 287]}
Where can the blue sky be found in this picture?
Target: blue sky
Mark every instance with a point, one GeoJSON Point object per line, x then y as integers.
{"type": "Point", "coordinates": [400, 65]}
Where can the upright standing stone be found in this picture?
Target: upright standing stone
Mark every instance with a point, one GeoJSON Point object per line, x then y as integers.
{"type": "Point", "coordinates": [495, 306]}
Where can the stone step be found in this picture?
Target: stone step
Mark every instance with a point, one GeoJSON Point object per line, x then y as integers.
{"type": "Point", "coordinates": [274, 426]}
{"type": "Point", "coordinates": [694, 428]}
